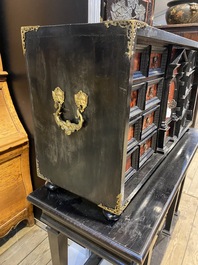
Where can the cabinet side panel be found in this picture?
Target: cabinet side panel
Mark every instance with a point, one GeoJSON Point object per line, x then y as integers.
{"type": "Point", "coordinates": [93, 59]}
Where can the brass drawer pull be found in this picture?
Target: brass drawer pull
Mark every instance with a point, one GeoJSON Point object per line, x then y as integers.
{"type": "Point", "coordinates": [81, 100]}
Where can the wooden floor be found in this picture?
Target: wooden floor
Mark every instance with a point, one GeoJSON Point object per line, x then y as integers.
{"type": "Point", "coordinates": [29, 246]}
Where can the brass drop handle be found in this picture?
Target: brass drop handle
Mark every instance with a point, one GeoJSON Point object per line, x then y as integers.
{"type": "Point", "coordinates": [81, 100]}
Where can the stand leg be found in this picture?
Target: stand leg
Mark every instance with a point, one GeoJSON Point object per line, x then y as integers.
{"type": "Point", "coordinates": [170, 214]}
{"type": "Point", "coordinates": [148, 258]}
{"type": "Point", "coordinates": [179, 196]}
{"type": "Point", "coordinates": [58, 247]}
{"type": "Point", "coordinates": [93, 260]}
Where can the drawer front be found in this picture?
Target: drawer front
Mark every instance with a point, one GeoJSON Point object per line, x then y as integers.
{"type": "Point", "coordinates": [134, 98]}
{"type": "Point", "coordinates": [158, 59]}
{"type": "Point", "coordinates": [148, 120]}
{"type": "Point", "coordinates": [140, 62]}
{"type": "Point", "coordinates": [151, 92]}
{"type": "Point", "coordinates": [132, 163]}
{"type": "Point", "coordinates": [131, 132]}
{"type": "Point", "coordinates": [134, 133]}
{"type": "Point", "coordinates": [136, 62]}
{"type": "Point", "coordinates": [137, 99]}
{"type": "Point", "coordinates": [128, 163]}
{"type": "Point", "coordinates": [147, 148]}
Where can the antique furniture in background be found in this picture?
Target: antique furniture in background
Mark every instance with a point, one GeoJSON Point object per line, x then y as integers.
{"type": "Point", "coordinates": [13, 15]}
{"type": "Point", "coordinates": [142, 10]}
{"type": "Point", "coordinates": [182, 11]}
{"type": "Point", "coordinates": [110, 100]}
{"type": "Point", "coordinates": [15, 181]}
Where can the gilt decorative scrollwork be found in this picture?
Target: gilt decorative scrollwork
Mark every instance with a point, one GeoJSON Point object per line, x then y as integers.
{"type": "Point", "coordinates": [119, 208]}
{"type": "Point", "coordinates": [131, 26]}
{"type": "Point", "coordinates": [24, 30]}
{"type": "Point", "coordinates": [81, 100]}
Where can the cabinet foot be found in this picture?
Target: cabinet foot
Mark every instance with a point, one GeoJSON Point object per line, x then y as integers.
{"type": "Point", "coordinates": [50, 186]}
{"type": "Point", "coordinates": [110, 216]}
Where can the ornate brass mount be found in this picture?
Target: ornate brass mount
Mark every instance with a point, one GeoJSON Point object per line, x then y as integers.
{"type": "Point", "coordinates": [119, 208]}
{"type": "Point", "coordinates": [81, 100]}
{"type": "Point", "coordinates": [131, 26]}
{"type": "Point", "coordinates": [24, 30]}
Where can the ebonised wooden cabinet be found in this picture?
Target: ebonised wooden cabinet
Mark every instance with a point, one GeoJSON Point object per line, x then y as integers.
{"type": "Point", "coordinates": [110, 100]}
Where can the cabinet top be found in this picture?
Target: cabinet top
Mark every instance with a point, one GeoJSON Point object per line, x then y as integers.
{"type": "Point", "coordinates": [131, 28]}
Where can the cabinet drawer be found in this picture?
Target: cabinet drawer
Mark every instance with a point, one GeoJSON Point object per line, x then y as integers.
{"type": "Point", "coordinates": [140, 62]}
{"type": "Point", "coordinates": [132, 162]}
{"type": "Point", "coordinates": [153, 92]}
{"type": "Point", "coordinates": [157, 62]}
{"type": "Point", "coordinates": [147, 148]}
{"type": "Point", "coordinates": [150, 121]}
{"type": "Point", "coordinates": [134, 132]}
{"type": "Point", "coordinates": [137, 99]}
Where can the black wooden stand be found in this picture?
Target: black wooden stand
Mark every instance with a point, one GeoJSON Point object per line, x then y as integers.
{"type": "Point", "coordinates": [131, 239]}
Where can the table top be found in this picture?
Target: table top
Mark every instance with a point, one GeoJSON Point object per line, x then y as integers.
{"type": "Point", "coordinates": [130, 237]}
{"type": "Point", "coordinates": [189, 26]}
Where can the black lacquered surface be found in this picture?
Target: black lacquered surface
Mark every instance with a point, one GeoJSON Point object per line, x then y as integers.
{"type": "Point", "coordinates": [132, 234]}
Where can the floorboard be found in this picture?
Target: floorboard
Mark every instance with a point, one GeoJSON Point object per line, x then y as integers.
{"type": "Point", "coordinates": [23, 247]}
{"type": "Point", "coordinates": [179, 240]}
{"type": "Point", "coordinates": [191, 254]}
{"type": "Point", "coordinates": [15, 237]}
{"type": "Point", "coordinates": [40, 255]}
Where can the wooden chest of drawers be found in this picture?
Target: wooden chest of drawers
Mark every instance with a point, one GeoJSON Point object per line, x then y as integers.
{"type": "Point", "coordinates": [15, 182]}
{"type": "Point", "coordinates": [104, 100]}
